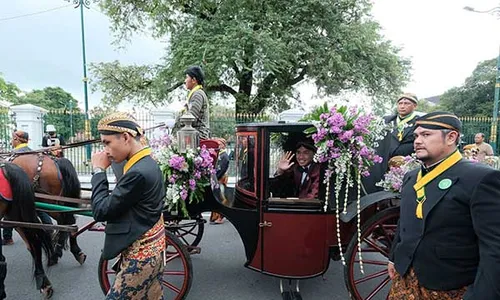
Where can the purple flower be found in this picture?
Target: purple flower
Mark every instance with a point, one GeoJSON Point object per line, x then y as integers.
{"type": "Point", "coordinates": [335, 129]}
{"type": "Point", "coordinates": [198, 160]}
{"type": "Point", "coordinates": [364, 152]}
{"type": "Point", "coordinates": [184, 193]}
{"type": "Point", "coordinates": [177, 162]}
{"type": "Point", "coordinates": [336, 120]}
{"type": "Point", "coordinates": [346, 136]}
{"type": "Point", "coordinates": [320, 134]}
{"type": "Point", "coordinates": [192, 184]}
{"type": "Point", "coordinates": [377, 159]}
{"type": "Point", "coordinates": [207, 158]}
{"type": "Point", "coordinates": [362, 123]}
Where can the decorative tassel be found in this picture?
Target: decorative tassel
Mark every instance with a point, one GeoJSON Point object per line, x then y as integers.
{"type": "Point", "coordinates": [419, 211]}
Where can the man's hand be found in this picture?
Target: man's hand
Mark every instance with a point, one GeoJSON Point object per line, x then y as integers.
{"type": "Point", "coordinates": [392, 270]}
{"type": "Point", "coordinates": [285, 162]}
{"type": "Point", "coordinates": [100, 160]}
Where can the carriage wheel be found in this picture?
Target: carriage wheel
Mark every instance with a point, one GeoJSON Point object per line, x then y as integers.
{"type": "Point", "coordinates": [189, 232]}
{"type": "Point", "coordinates": [377, 236]}
{"type": "Point", "coordinates": [177, 274]}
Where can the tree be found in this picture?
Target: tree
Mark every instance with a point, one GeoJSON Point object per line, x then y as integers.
{"type": "Point", "coordinates": [475, 97]}
{"type": "Point", "coordinates": [257, 51]}
{"type": "Point", "coordinates": [63, 113]}
{"type": "Point", "coordinates": [50, 98]}
{"type": "Point", "coordinates": [8, 90]}
{"type": "Point", "coordinates": [427, 107]}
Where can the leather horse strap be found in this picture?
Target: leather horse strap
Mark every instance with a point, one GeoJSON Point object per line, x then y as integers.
{"type": "Point", "coordinates": [36, 178]}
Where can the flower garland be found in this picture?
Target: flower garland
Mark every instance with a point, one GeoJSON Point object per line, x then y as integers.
{"type": "Point", "coordinates": [393, 179]}
{"type": "Point", "coordinates": [186, 174]}
{"type": "Point", "coordinates": [346, 139]}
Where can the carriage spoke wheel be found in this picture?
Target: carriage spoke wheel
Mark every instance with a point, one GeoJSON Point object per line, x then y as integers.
{"type": "Point", "coordinates": [177, 274]}
{"type": "Point", "coordinates": [377, 236]}
{"type": "Point", "coordinates": [189, 232]}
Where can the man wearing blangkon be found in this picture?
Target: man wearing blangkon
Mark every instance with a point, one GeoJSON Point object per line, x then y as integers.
{"type": "Point", "coordinates": [403, 122]}
{"type": "Point", "coordinates": [447, 244]}
{"type": "Point", "coordinates": [133, 210]}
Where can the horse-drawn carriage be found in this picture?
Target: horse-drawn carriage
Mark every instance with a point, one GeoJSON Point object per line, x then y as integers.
{"type": "Point", "coordinates": [286, 237]}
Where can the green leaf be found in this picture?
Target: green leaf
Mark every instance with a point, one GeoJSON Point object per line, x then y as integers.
{"type": "Point", "coordinates": [255, 52]}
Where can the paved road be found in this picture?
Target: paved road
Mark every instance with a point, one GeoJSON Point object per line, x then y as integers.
{"type": "Point", "coordinates": [218, 272]}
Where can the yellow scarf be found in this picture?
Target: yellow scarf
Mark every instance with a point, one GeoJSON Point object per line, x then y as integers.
{"type": "Point", "coordinates": [135, 158]}
{"type": "Point", "coordinates": [198, 87]}
{"type": "Point", "coordinates": [401, 124]}
{"type": "Point", "coordinates": [423, 181]}
{"type": "Point", "coordinates": [21, 146]}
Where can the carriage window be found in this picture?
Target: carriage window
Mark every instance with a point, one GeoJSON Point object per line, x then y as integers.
{"type": "Point", "coordinates": [292, 170]}
{"type": "Point", "coordinates": [245, 155]}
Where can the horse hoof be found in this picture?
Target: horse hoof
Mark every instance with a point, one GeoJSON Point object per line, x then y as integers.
{"type": "Point", "coordinates": [81, 257]}
{"type": "Point", "coordinates": [47, 292]}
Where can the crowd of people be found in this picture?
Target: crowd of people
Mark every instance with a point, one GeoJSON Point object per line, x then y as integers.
{"type": "Point", "coordinates": [447, 243]}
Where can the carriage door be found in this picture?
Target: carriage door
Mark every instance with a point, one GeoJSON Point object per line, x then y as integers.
{"type": "Point", "coordinates": [293, 230]}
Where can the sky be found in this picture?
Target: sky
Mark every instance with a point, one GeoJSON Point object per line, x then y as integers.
{"type": "Point", "coordinates": [444, 42]}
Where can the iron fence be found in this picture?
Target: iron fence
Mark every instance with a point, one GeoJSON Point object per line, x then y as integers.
{"type": "Point", "coordinates": [70, 124]}
{"type": "Point", "coordinates": [6, 127]}
{"type": "Point", "coordinates": [72, 129]}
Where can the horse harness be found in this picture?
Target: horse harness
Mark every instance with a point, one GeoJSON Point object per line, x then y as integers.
{"type": "Point", "coordinates": [36, 179]}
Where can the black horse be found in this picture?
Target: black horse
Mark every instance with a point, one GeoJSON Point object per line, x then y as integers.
{"type": "Point", "coordinates": [17, 203]}
{"type": "Point", "coordinates": [58, 177]}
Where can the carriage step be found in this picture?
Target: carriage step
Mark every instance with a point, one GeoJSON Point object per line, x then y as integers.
{"type": "Point", "coordinates": [288, 292]}
{"type": "Point", "coordinates": [291, 295]}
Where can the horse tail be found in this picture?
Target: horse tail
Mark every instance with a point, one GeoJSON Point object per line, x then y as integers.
{"type": "Point", "coordinates": [39, 238]}
{"type": "Point", "coordinates": [70, 183]}
{"type": "Point", "coordinates": [22, 207]}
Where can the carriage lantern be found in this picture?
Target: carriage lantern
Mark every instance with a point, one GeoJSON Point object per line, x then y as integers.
{"type": "Point", "coordinates": [187, 136]}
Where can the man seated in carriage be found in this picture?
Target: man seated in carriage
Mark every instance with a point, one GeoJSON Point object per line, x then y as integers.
{"type": "Point", "coordinates": [297, 175]}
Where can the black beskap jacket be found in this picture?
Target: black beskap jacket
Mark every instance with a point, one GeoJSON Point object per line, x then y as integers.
{"type": "Point", "coordinates": [132, 208]}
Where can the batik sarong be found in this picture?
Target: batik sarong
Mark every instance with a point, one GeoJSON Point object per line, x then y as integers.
{"type": "Point", "coordinates": [408, 288]}
{"type": "Point", "coordinates": [141, 267]}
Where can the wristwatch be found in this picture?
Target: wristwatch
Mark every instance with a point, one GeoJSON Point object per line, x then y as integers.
{"type": "Point", "coordinates": [97, 170]}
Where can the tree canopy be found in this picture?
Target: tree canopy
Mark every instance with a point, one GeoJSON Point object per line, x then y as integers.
{"type": "Point", "coordinates": [475, 97]}
{"type": "Point", "coordinates": [64, 113]}
{"type": "Point", "coordinates": [49, 98]}
{"type": "Point", "coordinates": [255, 50]}
{"type": "Point", "coordinates": [8, 90]}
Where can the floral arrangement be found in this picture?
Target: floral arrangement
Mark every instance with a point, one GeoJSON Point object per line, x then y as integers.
{"type": "Point", "coordinates": [186, 174]}
{"type": "Point", "coordinates": [491, 161]}
{"type": "Point", "coordinates": [346, 139]}
{"type": "Point", "coordinates": [393, 179]}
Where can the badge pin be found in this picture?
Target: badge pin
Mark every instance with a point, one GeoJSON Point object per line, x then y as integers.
{"type": "Point", "coordinates": [444, 184]}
